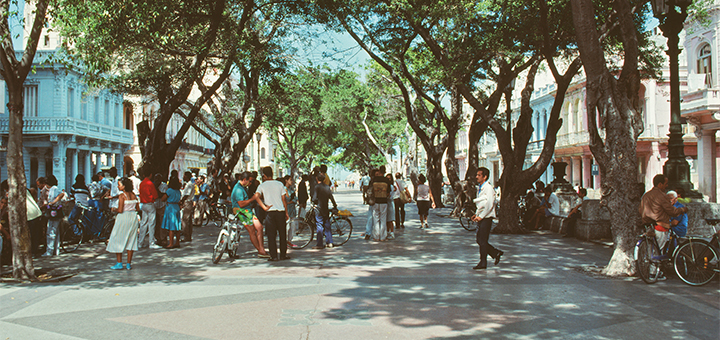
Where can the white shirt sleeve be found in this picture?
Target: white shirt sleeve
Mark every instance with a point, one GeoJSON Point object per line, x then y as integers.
{"type": "Point", "coordinates": [485, 202]}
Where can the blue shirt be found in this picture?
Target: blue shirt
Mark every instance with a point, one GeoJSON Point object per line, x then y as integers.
{"type": "Point", "coordinates": [203, 187]}
{"type": "Point", "coordinates": [174, 195]}
{"type": "Point", "coordinates": [106, 183]}
{"type": "Point", "coordinates": [681, 228]}
{"type": "Point", "coordinates": [239, 193]}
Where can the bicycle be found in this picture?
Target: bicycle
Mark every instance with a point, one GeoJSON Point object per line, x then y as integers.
{"type": "Point", "coordinates": [696, 261]}
{"type": "Point", "coordinates": [71, 235]}
{"type": "Point", "coordinates": [304, 233]}
{"type": "Point", "coordinates": [466, 215]}
{"type": "Point", "coordinates": [649, 258]}
{"type": "Point", "coordinates": [216, 212]}
{"type": "Point", "coordinates": [228, 240]}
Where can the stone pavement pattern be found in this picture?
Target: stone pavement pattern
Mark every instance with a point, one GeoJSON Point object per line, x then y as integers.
{"type": "Point", "coordinates": [418, 286]}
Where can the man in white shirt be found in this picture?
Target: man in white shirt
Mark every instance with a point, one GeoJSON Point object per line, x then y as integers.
{"type": "Point", "coordinates": [485, 203]}
{"type": "Point", "coordinates": [274, 195]}
{"type": "Point", "coordinates": [114, 190]}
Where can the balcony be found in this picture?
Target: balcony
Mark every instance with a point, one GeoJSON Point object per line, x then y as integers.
{"type": "Point", "coordinates": [701, 101]}
{"type": "Point", "coordinates": [71, 126]}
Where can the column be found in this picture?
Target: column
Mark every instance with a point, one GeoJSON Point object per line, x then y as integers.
{"type": "Point", "coordinates": [707, 175]}
{"type": "Point", "coordinates": [59, 159]}
{"type": "Point", "coordinates": [109, 162]}
{"type": "Point", "coordinates": [88, 166]}
{"type": "Point", "coordinates": [587, 171]}
{"type": "Point", "coordinates": [98, 161]}
{"type": "Point", "coordinates": [576, 171]}
{"type": "Point", "coordinates": [74, 169]}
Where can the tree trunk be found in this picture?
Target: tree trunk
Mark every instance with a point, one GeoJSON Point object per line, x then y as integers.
{"type": "Point", "coordinates": [19, 233]}
{"type": "Point", "coordinates": [614, 101]}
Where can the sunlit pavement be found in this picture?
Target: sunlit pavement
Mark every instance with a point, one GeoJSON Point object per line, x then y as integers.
{"type": "Point", "coordinates": [420, 285]}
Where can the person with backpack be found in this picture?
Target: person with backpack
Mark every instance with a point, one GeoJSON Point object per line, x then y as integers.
{"type": "Point", "coordinates": [381, 193]}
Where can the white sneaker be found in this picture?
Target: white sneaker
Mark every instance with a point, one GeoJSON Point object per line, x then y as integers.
{"type": "Point", "coordinates": [391, 236]}
{"type": "Point", "coordinates": [154, 246]}
{"type": "Point", "coordinates": [329, 245]}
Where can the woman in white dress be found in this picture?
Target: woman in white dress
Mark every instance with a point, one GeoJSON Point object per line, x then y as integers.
{"type": "Point", "coordinates": [124, 235]}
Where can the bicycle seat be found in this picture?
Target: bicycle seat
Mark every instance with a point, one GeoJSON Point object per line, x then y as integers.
{"type": "Point", "coordinates": [713, 221]}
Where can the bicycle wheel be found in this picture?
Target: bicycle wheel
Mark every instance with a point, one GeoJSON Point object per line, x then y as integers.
{"type": "Point", "coordinates": [647, 268]}
{"type": "Point", "coordinates": [341, 230]}
{"type": "Point", "coordinates": [691, 262]}
{"type": "Point", "coordinates": [303, 234]}
{"type": "Point", "coordinates": [106, 229]}
{"type": "Point", "coordinates": [219, 248]}
{"type": "Point", "coordinates": [70, 237]}
{"type": "Point", "coordinates": [466, 221]}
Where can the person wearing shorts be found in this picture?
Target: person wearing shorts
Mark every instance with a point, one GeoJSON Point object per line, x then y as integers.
{"type": "Point", "coordinates": [424, 200]}
{"type": "Point", "coordinates": [241, 204]}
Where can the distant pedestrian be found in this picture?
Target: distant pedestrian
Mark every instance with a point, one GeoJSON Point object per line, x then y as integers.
{"type": "Point", "coordinates": [323, 194]}
{"type": "Point", "coordinates": [484, 214]}
{"type": "Point", "coordinates": [273, 194]}
{"type": "Point", "coordinates": [55, 214]}
{"type": "Point", "coordinates": [171, 217]}
{"type": "Point", "coordinates": [424, 200]}
{"type": "Point", "coordinates": [124, 235]}
{"type": "Point", "coordinates": [188, 193]}
{"type": "Point", "coordinates": [391, 208]}
{"type": "Point", "coordinates": [302, 195]}
{"type": "Point", "coordinates": [381, 192]}
{"type": "Point", "coordinates": [401, 188]}
{"type": "Point", "coordinates": [148, 196]}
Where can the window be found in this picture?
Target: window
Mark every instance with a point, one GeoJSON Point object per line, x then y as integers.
{"type": "Point", "coordinates": [108, 117]}
{"type": "Point", "coordinates": [262, 153]}
{"type": "Point", "coordinates": [30, 96]}
{"type": "Point", "coordinates": [704, 63]}
{"type": "Point", "coordinates": [83, 108]}
{"type": "Point", "coordinates": [97, 109]}
{"type": "Point", "coordinates": [47, 40]}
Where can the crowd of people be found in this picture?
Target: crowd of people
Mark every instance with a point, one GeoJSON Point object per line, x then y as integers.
{"type": "Point", "coordinates": [154, 212]}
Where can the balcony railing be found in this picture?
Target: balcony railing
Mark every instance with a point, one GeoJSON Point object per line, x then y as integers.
{"type": "Point", "coordinates": [71, 126]}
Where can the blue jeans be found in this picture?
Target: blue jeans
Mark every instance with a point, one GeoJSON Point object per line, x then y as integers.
{"type": "Point", "coordinates": [369, 224]}
{"type": "Point", "coordinates": [323, 227]}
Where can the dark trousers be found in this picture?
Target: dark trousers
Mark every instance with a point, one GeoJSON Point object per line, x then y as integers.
{"type": "Point", "coordinates": [482, 236]}
{"type": "Point", "coordinates": [37, 234]}
{"type": "Point", "coordinates": [572, 221]}
{"type": "Point", "coordinates": [275, 226]}
{"type": "Point", "coordinates": [399, 211]}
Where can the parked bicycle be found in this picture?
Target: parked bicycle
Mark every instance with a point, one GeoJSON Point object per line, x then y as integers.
{"type": "Point", "coordinates": [650, 260]}
{"type": "Point", "coordinates": [305, 228]}
{"type": "Point", "coordinates": [216, 212]}
{"type": "Point", "coordinates": [696, 261]}
{"type": "Point", "coordinates": [228, 239]}
{"type": "Point", "coordinates": [72, 234]}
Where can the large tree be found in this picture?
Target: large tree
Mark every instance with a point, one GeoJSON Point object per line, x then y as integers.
{"type": "Point", "coordinates": [14, 72]}
{"type": "Point", "coordinates": [162, 49]}
{"type": "Point", "coordinates": [613, 107]}
{"type": "Point", "coordinates": [509, 39]}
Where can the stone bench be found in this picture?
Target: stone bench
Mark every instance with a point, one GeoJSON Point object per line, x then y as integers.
{"type": "Point", "coordinates": [595, 222]}
{"type": "Point", "coordinates": [555, 223]}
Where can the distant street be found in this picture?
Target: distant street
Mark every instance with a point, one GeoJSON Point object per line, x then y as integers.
{"type": "Point", "coordinates": [420, 285]}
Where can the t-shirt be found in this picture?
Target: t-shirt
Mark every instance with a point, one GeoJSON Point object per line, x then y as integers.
{"type": "Point", "coordinates": [239, 193]}
{"type": "Point", "coordinates": [81, 195]}
{"type": "Point", "coordinates": [554, 202]}
{"type": "Point", "coordinates": [423, 193]}
{"type": "Point", "coordinates": [114, 192]}
{"type": "Point", "coordinates": [400, 187]}
{"type": "Point", "coordinates": [272, 192]}
{"type": "Point", "coordinates": [381, 189]}
{"type": "Point", "coordinates": [324, 193]}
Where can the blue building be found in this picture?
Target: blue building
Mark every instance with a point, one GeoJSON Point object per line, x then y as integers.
{"type": "Point", "coordinates": [69, 129]}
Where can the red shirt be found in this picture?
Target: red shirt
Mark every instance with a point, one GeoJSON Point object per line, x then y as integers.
{"type": "Point", "coordinates": [148, 194]}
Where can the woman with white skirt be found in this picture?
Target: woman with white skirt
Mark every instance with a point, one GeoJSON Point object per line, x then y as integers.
{"type": "Point", "coordinates": [124, 235]}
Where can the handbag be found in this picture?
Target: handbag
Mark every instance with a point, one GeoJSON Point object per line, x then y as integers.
{"type": "Point", "coordinates": [54, 212]}
{"type": "Point", "coordinates": [405, 196]}
{"type": "Point", "coordinates": [369, 195]}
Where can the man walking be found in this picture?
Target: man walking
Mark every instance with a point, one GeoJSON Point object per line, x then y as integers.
{"type": "Point", "coordinates": [381, 191]}
{"type": "Point", "coordinates": [485, 203]}
{"type": "Point", "coordinates": [274, 195]}
{"type": "Point", "coordinates": [323, 193]}
{"type": "Point", "coordinates": [148, 195]}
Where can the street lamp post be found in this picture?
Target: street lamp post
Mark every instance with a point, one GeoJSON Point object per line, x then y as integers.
{"type": "Point", "coordinates": [258, 137]}
{"type": "Point", "coordinates": [672, 14]}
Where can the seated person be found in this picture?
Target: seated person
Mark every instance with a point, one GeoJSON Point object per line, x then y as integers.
{"type": "Point", "coordinates": [679, 223]}
{"type": "Point", "coordinates": [550, 207]}
{"type": "Point", "coordinates": [575, 214]}
{"type": "Point", "coordinates": [532, 203]}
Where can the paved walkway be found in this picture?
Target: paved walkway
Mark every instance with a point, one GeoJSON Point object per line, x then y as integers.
{"type": "Point", "coordinates": [418, 286]}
